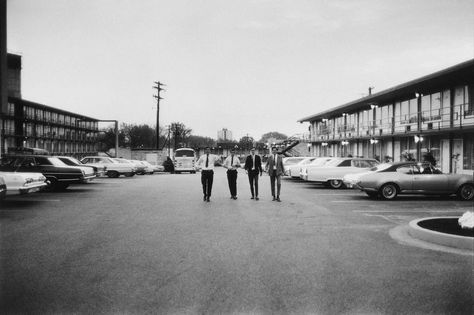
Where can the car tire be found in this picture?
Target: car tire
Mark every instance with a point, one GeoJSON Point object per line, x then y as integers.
{"type": "Point", "coordinates": [389, 191]}
{"type": "Point", "coordinates": [466, 192]}
{"type": "Point", "coordinates": [372, 194]}
{"type": "Point", "coordinates": [129, 174]}
{"type": "Point", "coordinates": [113, 174]}
{"type": "Point", "coordinates": [336, 183]}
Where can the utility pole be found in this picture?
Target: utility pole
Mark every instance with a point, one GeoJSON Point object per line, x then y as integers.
{"type": "Point", "coordinates": [158, 98]}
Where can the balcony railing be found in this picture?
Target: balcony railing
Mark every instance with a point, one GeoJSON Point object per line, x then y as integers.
{"type": "Point", "coordinates": [438, 119]}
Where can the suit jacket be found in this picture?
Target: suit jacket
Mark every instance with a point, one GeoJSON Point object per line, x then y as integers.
{"type": "Point", "coordinates": [249, 163]}
{"type": "Point", "coordinates": [279, 165]}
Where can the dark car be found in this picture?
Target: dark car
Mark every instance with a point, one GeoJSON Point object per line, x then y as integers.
{"type": "Point", "coordinates": [56, 172]}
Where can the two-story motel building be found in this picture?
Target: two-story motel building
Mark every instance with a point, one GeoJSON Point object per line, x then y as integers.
{"type": "Point", "coordinates": [34, 125]}
{"type": "Point", "coordinates": [434, 113]}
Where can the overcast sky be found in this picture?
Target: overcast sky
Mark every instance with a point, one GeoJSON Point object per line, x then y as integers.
{"type": "Point", "coordinates": [251, 66]}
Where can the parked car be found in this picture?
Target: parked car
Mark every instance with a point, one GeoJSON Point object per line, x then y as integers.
{"type": "Point", "coordinates": [318, 162]}
{"type": "Point", "coordinates": [150, 168]}
{"type": "Point", "coordinates": [127, 163]}
{"type": "Point", "coordinates": [350, 180]}
{"type": "Point", "coordinates": [56, 172]}
{"type": "Point", "coordinates": [416, 178]}
{"type": "Point", "coordinates": [292, 160]}
{"type": "Point", "coordinates": [98, 170]}
{"type": "Point", "coordinates": [113, 168]}
{"type": "Point", "coordinates": [333, 171]}
{"type": "Point", "coordinates": [3, 188]}
{"type": "Point", "coordinates": [20, 183]}
{"type": "Point", "coordinates": [293, 170]}
{"type": "Point", "coordinates": [140, 168]}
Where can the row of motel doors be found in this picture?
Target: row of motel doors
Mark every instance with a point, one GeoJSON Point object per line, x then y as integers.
{"type": "Point", "coordinates": [446, 160]}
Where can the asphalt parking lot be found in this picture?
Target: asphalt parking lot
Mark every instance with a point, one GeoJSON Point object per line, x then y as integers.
{"type": "Point", "coordinates": [149, 244]}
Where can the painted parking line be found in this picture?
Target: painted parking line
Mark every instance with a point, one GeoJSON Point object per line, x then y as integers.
{"type": "Point", "coordinates": [405, 211]}
{"type": "Point", "coordinates": [348, 201]}
{"type": "Point", "coordinates": [35, 200]}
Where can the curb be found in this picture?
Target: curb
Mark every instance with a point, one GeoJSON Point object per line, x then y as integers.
{"type": "Point", "coordinates": [456, 241]}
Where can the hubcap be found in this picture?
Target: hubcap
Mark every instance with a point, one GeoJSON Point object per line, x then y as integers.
{"type": "Point", "coordinates": [467, 192]}
{"type": "Point", "coordinates": [388, 191]}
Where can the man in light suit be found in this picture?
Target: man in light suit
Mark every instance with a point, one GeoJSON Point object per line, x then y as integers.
{"type": "Point", "coordinates": [275, 170]}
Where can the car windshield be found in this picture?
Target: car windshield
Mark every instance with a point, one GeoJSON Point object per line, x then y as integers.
{"type": "Point", "coordinates": [75, 160]}
{"type": "Point", "coordinates": [122, 161]}
{"type": "Point", "coordinates": [320, 161]}
{"type": "Point", "coordinates": [292, 161]}
{"type": "Point", "coordinates": [381, 167]}
{"type": "Point", "coordinates": [334, 162]}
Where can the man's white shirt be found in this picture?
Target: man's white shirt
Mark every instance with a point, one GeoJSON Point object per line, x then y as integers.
{"type": "Point", "coordinates": [201, 164]}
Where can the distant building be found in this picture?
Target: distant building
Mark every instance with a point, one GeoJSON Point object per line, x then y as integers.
{"type": "Point", "coordinates": [224, 135]}
{"type": "Point", "coordinates": [29, 124]}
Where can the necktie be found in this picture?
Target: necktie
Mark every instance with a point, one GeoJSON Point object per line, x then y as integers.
{"type": "Point", "coordinates": [207, 160]}
{"type": "Point", "coordinates": [275, 161]}
{"type": "Point", "coordinates": [232, 161]}
{"type": "Point", "coordinates": [253, 161]}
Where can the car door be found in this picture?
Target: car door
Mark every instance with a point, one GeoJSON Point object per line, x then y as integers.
{"type": "Point", "coordinates": [403, 177]}
{"type": "Point", "coordinates": [425, 180]}
{"type": "Point", "coordinates": [44, 165]}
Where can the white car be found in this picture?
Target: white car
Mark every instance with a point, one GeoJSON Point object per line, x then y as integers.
{"type": "Point", "coordinates": [132, 164]}
{"type": "Point", "coordinates": [317, 162]}
{"type": "Point", "coordinates": [294, 170]}
{"type": "Point", "coordinates": [151, 168]}
{"type": "Point", "coordinates": [334, 171]}
{"type": "Point", "coordinates": [112, 168]}
{"type": "Point", "coordinates": [20, 183]}
{"type": "Point", "coordinates": [292, 160]}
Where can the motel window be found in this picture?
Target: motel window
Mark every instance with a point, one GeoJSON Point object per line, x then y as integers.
{"type": "Point", "coordinates": [469, 97]}
{"type": "Point", "coordinates": [404, 112]}
{"type": "Point", "coordinates": [413, 110]}
{"type": "Point", "coordinates": [11, 109]}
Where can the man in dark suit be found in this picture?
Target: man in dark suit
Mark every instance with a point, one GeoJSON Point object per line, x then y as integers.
{"type": "Point", "coordinates": [253, 167]}
{"type": "Point", "coordinates": [275, 169]}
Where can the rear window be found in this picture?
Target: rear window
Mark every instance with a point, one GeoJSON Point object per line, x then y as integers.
{"type": "Point", "coordinates": [184, 153]}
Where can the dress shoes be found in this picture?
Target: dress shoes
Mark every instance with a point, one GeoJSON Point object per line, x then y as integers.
{"type": "Point", "coordinates": [256, 198]}
{"type": "Point", "coordinates": [278, 199]}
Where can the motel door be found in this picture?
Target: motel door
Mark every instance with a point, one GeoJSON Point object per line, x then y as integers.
{"type": "Point", "coordinates": [444, 156]}
{"type": "Point", "coordinates": [457, 156]}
